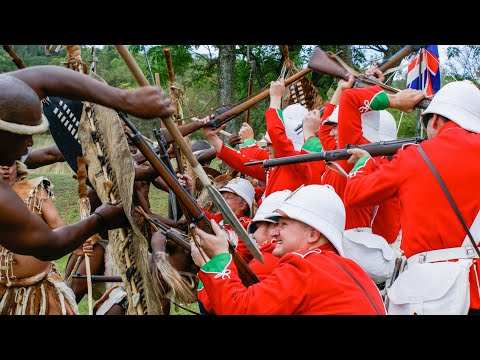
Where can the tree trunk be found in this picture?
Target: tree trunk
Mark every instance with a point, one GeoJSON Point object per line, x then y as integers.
{"type": "Point", "coordinates": [226, 79]}
{"type": "Point", "coordinates": [346, 54]}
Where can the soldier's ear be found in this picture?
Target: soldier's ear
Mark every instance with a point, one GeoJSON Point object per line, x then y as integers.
{"type": "Point", "coordinates": [313, 235]}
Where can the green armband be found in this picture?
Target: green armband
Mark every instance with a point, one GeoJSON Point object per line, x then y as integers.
{"type": "Point", "coordinates": [312, 145]}
{"type": "Point", "coordinates": [247, 142]}
{"type": "Point", "coordinates": [217, 264]}
{"type": "Point", "coordinates": [379, 101]}
{"type": "Point", "coordinates": [359, 164]}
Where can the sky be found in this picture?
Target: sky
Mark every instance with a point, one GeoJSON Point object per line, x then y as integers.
{"type": "Point", "coordinates": [442, 52]}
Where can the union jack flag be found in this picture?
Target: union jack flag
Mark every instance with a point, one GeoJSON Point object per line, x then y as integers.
{"type": "Point", "coordinates": [424, 70]}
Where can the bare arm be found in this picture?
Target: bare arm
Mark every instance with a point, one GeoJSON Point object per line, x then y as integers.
{"type": "Point", "coordinates": [44, 156]}
{"type": "Point", "coordinates": [276, 93]}
{"type": "Point", "coordinates": [49, 211]}
{"type": "Point", "coordinates": [342, 85]}
{"type": "Point", "coordinates": [27, 234]}
{"type": "Point", "coordinates": [406, 99]}
{"type": "Point", "coordinates": [160, 184]}
{"type": "Point", "coordinates": [206, 155]}
{"type": "Point", "coordinates": [146, 102]}
{"type": "Point", "coordinates": [145, 173]}
{"type": "Point", "coordinates": [311, 124]}
{"type": "Point", "coordinates": [212, 135]}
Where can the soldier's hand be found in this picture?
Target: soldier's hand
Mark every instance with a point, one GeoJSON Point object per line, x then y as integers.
{"type": "Point", "coordinates": [356, 155]}
{"type": "Point", "coordinates": [246, 132]}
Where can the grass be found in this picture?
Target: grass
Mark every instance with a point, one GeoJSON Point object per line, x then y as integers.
{"type": "Point", "coordinates": [66, 201]}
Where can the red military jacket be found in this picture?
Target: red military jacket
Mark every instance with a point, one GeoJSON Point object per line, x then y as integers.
{"type": "Point", "coordinates": [250, 149]}
{"type": "Point", "coordinates": [281, 177]}
{"type": "Point", "coordinates": [383, 217]}
{"type": "Point", "coordinates": [303, 283]}
{"type": "Point", "coordinates": [428, 221]}
{"type": "Point", "coordinates": [331, 175]}
{"type": "Point", "coordinates": [270, 261]}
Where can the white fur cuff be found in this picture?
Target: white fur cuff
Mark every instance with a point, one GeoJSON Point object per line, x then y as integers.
{"type": "Point", "coordinates": [25, 129]}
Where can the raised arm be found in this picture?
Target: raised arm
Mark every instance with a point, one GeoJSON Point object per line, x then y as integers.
{"type": "Point", "coordinates": [47, 80]}
{"type": "Point", "coordinates": [44, 156]}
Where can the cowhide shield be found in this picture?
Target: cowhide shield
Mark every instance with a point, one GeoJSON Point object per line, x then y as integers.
{"type": "Point", "coordinates": [64, 117]}
{"type": "Point", "coordinates": [112, 175]}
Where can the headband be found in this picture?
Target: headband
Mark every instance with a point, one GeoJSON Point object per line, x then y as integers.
{"type": "Point", "coordinates": [25, 129]}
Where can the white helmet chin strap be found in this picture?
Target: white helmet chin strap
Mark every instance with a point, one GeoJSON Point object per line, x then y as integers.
{"type": "Point", "coordinates": [25, 129]}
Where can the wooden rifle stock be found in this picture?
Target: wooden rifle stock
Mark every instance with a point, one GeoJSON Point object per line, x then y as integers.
{"type": "Point", "coordinates": [185, 130]}
{"type": "Point", "coordinates": [381, 148]}
{"type": "Point", "coordinates": [321, 62]}
{"type": "Point", "coordinates": [237, 110]}
{"type": "Point", "coordinates": [195, 212]}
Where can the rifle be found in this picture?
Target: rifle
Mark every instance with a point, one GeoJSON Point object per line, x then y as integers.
{"type": "Point", "coordinates": [172, 199]}
{"type": "Point", "coordinates": [225, 117]}
{"type": "Point", "coordinates": [398, 56]}
{"type": "Point", "coordinates": [178, 238]}
{"type": "Point", "coordinates": [323, 63]}
{"type": "Point", "coordinates": [385, 65]}
{"type": "Point", "coordinates": [168, 139]}
{"type": "Point", "coordinates": [99, 278]}
{"type": "Point", "coordinates": [176, 104]}
{"type": "Point", "coordinates": [381, 148]}
{"type": "Point", "coordinates": [217, 198]}
{"type": "Point", "coordinates": [194, 212]}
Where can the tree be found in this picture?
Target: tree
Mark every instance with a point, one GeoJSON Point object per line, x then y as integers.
{"type": "Point", "coordinates": [226, 78]}
{"type": "Point", "coordinates": [464, 64]}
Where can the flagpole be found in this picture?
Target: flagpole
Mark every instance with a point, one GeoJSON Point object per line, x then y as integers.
{"type": "Point", "coordinates": [420, 81]}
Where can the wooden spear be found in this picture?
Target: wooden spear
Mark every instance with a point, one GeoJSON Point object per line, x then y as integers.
{"type": "Point", "coordinates": [199, 171]}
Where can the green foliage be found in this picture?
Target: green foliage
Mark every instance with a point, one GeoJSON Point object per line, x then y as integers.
{"type": "Point", "coordinates": [408, 123]}
{"type": "Point", "coordinates": [196, 73]}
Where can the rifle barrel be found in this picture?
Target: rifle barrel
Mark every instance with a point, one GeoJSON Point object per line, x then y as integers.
{"type": "Point", "coordinates": [398, 56]}
{"type": "Point", "coordinates": [381, 148]}
{"type": "Point", "coordinates": [99, 278]}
